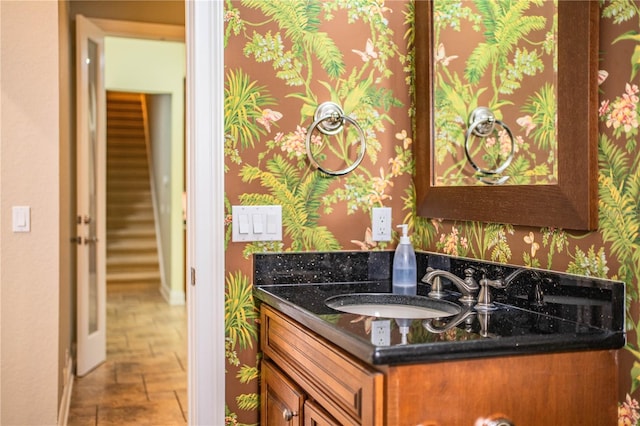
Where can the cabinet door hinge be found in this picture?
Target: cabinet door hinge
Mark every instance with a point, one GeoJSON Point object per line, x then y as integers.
{"type": "Point", "coordinates": [193, 276]}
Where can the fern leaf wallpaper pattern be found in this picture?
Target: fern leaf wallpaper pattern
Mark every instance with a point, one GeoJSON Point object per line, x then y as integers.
{"type": "Point", "coordinates": [285, 57]}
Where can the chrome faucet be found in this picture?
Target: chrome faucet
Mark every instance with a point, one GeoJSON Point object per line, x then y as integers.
{"type": "Point", "coordinates": [485, 300]}
{"type": "Point", "coordinates": [437, 325]}
{"type": "Point", "coordinates": [467, 286]}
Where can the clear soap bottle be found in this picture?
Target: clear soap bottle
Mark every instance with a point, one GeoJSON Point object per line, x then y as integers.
{"type": "Point", "coordinates": [404, 275]}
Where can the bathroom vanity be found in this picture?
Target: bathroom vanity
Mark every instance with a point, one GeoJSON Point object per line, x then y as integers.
{"type": "Point", "coordinates": [544, 359]}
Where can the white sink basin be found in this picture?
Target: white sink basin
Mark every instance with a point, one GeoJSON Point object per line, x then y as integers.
{"type": "Point", "coordinates": [387, 305]}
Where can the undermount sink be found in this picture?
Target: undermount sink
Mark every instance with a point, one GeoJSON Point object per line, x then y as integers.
{"type": "Point", "coordinates": [388, 305]}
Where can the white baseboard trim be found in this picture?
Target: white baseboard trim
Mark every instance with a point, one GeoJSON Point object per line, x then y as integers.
{"type": "Point", "coordinates": [65, 401]}
{"type": "Point", "coordinates": [173, 297]}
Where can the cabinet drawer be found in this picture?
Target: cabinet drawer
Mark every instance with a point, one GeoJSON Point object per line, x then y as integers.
{"type": "Point", "coordinates": [349, 390]}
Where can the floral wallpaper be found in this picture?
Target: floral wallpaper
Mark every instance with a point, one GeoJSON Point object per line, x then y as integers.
{"type": "Point", "coordinates": [285, 57]}
{"type": "Point", "coordinates": [503, 56]}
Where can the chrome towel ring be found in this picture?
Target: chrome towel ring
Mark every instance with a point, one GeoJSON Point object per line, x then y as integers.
{"type": "Point", "coordinates": [329, 120]}
{"type": "Point", "coordinates": [482, 123]}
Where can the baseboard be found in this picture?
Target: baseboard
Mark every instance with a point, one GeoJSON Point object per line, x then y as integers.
{"type": "Point", "coordinates": [65, 401]}
{"type": "Point", "coordinates": [173, 297]}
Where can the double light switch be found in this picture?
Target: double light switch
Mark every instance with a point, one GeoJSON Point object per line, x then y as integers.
{"type": "Point", "coordinates": [256, 223]}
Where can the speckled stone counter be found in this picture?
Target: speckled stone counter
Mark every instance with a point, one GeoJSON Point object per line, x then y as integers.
{"type": "Point", "coordinates": [564, 313]}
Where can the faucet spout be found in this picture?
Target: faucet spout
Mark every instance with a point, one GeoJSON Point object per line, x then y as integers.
{"type": "Point", "coordinates": [467, 286]}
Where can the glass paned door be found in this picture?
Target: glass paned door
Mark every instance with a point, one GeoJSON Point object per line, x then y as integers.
{"type": "Point", "coordinates": [91, 195]}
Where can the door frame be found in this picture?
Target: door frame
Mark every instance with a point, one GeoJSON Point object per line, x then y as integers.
{"type": "Point", "coordinates": [204, 30]}
{"type": "Point", "coordinates": [205, 211]}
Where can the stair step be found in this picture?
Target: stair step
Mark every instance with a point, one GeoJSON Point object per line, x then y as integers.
{"type": "Point", "coordinates": [137, 246]}
{"type": "Point", "coordinates": [127, 151]}
{"type": "Point", "coordinates": [136, 260]}
{"type": "Point", "coordinates": [127, 173]}
{"type": "Point", "coordinates": [120, 152]}
{"type": "Point", "coordinates": [130, 196]}
{"type": "Point", "coordinates": [124, 142]}
{"type": "Point", "coordinates": [127, 121]}
{"type": "Point", "coordinates": [132, 233]}
{"type": "Point", "coordinates": [133, 215]}
{"type": "Point", "coordinates": [133, 276]}
{"type": "Point", "coordinates": [127, 208]}
{"type": "Point", "coordinates": [129, 163]}
{"type": "Point", "coordinates": [125, 133]}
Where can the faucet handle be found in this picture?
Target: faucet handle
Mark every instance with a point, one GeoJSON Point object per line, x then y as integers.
{"type": "Point", "coordinates": [485, 299]}
{"type": "Point", "coordinates": [469, 280]}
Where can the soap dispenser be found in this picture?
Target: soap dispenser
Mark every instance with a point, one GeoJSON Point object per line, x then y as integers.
{"type": "Point", "coordinates": [404, 276]}
{"type": "Point", "coordinates": [403, 326]}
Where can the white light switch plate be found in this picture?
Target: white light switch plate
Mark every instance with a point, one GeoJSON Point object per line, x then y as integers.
{"type": "Point", "coordinates": [256, 223]}
{"type": "Point", "coordinates": [21, 218]}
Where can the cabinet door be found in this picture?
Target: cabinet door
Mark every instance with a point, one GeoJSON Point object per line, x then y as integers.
{"type": "Point", "coordinates": [314, 415]}
{"type": "Point", "coordinates": [282, 400]}
{"type": "Point", "coordinates": [351, 391]}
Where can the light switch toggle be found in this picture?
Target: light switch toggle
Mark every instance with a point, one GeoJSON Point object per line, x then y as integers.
{"type": "Point", "coordinates": [243, 223]}
{"type": "Point", "coordinates": [21, 218]}
{"type": "Point", "coordinates": [258, 224]}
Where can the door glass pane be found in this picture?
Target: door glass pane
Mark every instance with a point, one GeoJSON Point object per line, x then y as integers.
{"type": "Point", "coordinates": [92, 64]}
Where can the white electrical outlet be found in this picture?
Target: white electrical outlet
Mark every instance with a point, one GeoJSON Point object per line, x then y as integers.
{"type": "Point", "coordinates": [381, 332]}
{"type": "Point", "coordinates": [381, 224]}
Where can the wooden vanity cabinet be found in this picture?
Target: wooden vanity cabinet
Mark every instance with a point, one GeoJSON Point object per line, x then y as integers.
{"type": "Point", "coordinates": [334, 388]}
{"type": "Point", "coordinates": [337, 387]}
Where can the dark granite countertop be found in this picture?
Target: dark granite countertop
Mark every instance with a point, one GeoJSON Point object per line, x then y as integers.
{"type": "Point", "coordinates": [577, 313]}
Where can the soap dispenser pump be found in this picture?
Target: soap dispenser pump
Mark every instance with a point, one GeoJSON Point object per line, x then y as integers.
{"type": "Point", "coordinates": [404, 276]}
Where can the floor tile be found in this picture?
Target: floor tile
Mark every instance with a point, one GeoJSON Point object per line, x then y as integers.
{"type": "Point", "coordinates": [143, 381]}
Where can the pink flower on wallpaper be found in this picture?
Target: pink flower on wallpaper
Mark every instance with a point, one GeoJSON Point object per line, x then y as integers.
{"type": "Point", "coordinates": [604, 108]}
{"type": "Point", "coordinates": [379, 186]}
{"type": "Point", "coordinates": [526, 122]}
{"type": "Point", "coordinates": [628, 412]}
{"type": "Point", "coordinates": [623, 111]}
{"type": "Point", "coordinates": [268, 117]}
{"type": "Point", "coordinates": [490, 142]}
{"type": "Point", "coordinates": [450, 243]}
{"type": "Point", "coordinates": [294, 143]}
{"type": "Point", "coordinates": [397, 164]}
{"type": "Point", "coordinates": [505, 143]}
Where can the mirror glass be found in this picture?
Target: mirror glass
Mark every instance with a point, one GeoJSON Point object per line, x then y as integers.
{"type": "Point", "coordinates": [534, 66]}
{"type": "Point", "coordinates": [501, 55]}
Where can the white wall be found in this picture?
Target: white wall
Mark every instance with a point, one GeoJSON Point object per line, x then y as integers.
{"type": "Point", "coordinates": [29, 175]}
{"type": "Point", "coordinates": [153, 66]}
{"type": "Point", "coordinates": [159, 111]}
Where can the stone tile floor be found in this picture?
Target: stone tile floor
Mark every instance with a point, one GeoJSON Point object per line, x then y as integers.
{"type": "Point", "coordinates": [144, 380]}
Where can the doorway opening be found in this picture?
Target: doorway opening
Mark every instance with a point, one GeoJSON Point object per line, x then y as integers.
{"type": "Point", "coordinates": [146, 313]}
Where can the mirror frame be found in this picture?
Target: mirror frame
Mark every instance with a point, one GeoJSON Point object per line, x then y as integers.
{"type": "Point", "coordinates": [572, 202]}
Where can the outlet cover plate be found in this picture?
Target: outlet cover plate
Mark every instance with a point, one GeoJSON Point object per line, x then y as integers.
{"type": "Point", "coordinates": [381, 332]}
{"type": "Point", "coordinates": [381, 224]}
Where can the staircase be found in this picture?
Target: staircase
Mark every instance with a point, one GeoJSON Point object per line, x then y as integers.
{"type": "Point", "coordinates": [132, 252]}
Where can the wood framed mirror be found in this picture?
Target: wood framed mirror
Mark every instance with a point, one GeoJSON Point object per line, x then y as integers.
{"type": "Point", "coordinates": [569, 204]}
